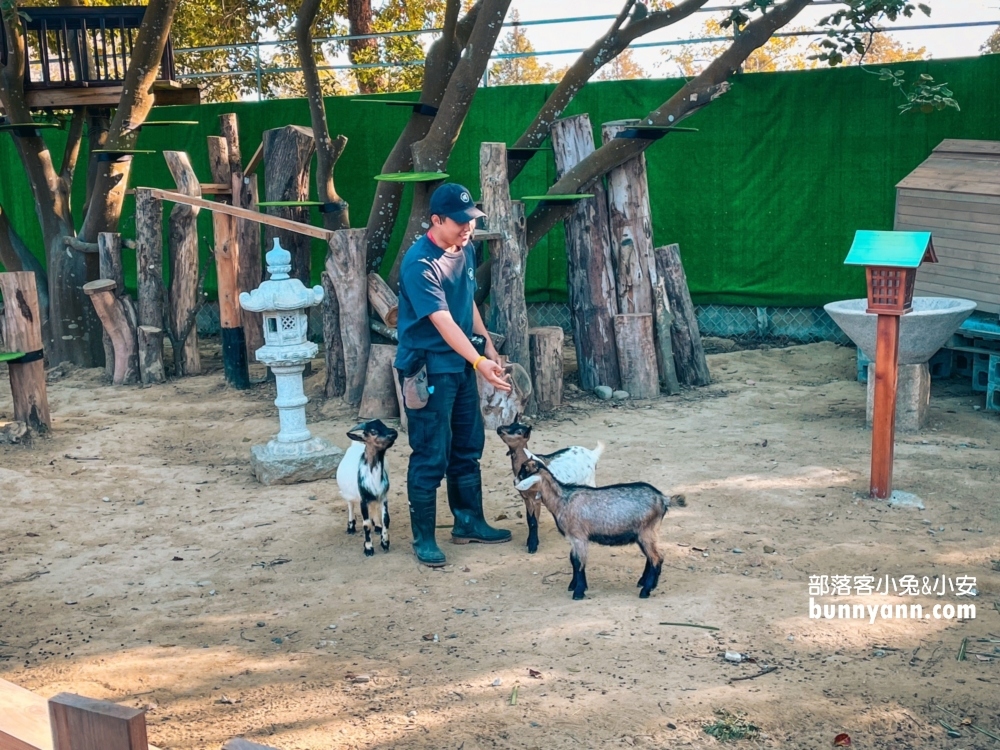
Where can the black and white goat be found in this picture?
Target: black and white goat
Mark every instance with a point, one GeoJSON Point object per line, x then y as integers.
{"type": "Point", "coordinates": [573, 465]}
{"type": "Point", "coordinates": [363, 477]}
{"type": "Point", "coordinates": [614, 515]}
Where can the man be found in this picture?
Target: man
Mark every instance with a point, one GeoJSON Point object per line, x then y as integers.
{"type": "Point", "coordinates": [437, 317]}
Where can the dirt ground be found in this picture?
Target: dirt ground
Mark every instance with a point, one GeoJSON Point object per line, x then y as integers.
{"type": "Point", "coordinates": [140, 562]}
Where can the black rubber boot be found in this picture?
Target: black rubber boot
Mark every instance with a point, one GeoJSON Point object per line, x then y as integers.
{"type": "Point", "coordinates": [466, 502]}
{"type": "Point", "coordinates": [423, 516]}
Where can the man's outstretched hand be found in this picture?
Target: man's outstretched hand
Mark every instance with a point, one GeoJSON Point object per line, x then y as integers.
{"type": "Point", "coordinates": [494, 375]}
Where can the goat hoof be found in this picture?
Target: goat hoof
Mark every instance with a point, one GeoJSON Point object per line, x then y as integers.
{"type": "Point", "coordinates": [385, 546]}
{"type": "Point", "coordinates": [532, 549]}
{"type": "Point", "coordinates": [577, 595]}
{"type": "Point", "coordinates": [369, 551]}
{"type": "Point", "coordinates": [352, 527]}
{"type": "Point", "coordinates": [644, 594]}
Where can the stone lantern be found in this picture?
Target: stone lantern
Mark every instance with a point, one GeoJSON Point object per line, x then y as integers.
{"type": "Point", "coordinates": [293, 455]}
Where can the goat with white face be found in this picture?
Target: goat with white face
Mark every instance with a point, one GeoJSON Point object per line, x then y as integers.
{"type": "Point", "coordinates": [363, 478]}
{"type": "Point", "coordinates": [573, 465]}
{"type": "Point", "coordinates": [613, 515]}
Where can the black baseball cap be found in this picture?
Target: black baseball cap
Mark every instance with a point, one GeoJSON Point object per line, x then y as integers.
{"type": "Point", "coordinates": [455, 202]}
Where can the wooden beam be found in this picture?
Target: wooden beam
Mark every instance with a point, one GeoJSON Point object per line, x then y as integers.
{"type": "Point", "coordinates": [107, 96]}
{"type": "Point", "coordinates": [216, 188]}
{"type": "Point", "coordinates": [254, 160]}
{"type": "Point", "coordinates": [24, 719]}
{"type": "Point", "coordinates": [242, 213]}
{"type": "Point", "coordinates": [80, 723]}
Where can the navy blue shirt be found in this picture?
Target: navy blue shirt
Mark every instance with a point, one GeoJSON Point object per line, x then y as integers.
{"type": "Point", "coordinates": [430, 280]}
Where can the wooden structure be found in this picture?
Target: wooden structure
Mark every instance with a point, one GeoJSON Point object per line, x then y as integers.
{"type": "Point", "coordinates": [288, 153]}
{"type": "Point", "coordinates": [547, 365]}
{"type": "Point", "coordinates": [636, 355]}
{"type": "Point", "coordinates": [379, 399]}
{"type": "Point", "coordinates": [891, 260]}
{"type": "Point", "coordinates": [689, 354]}
{"type": "Point", "coordinates": [955, 194]}
{"type": "Point", "coordinates": [118, 319]}
{"type": "Point", "coordinates": [22, 333]}
{"type": "Point", "coordinates": [78, 56]}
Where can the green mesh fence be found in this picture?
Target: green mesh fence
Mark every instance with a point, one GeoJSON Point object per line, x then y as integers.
{"type": "Point", "coordinates": [764, 199]}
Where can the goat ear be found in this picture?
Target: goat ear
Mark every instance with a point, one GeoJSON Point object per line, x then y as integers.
{"type": "Point", "coordinates": [356, 437]}
{"type": "Point", "coordinates": [527, 483]}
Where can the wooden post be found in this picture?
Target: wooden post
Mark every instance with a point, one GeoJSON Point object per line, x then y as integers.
{"type": "Point", "coordinates": [631, 227]}
{"type": "Point", "coordinates": [109, 251]}
{"type": "Point", "coordinates": [590, 276]}
{"type": "Point", "coordinates": [345, 263]}
{"type": "Point", "coordinates": [150, 340]}
{"type": "Point", "coordinates": [378, 401]}
{"type": "Point", "coordinates": [383, 300]}
{"type": "Point", "coordinates": [884, 416]}
{"type": "Point", "coordinates": [547, 366]}
{"type": "Point", "coordinates": [288, 153]}
{"type": "Point", "coordinates": [118, 321]}
{"type": "Point", "coordinates": [333, 347]}
{"type": "Point", "coordinates": [22, 332]}
{"type": "Point", "coordinates": [249, 265]}
{"type": "Point", "coordinates": [226, 252]}
{"type": "Point", "coordinates": [149, 257]}
{"type": "Point", "coordinates": [689, 354]}
{"type": "Point", "coordinates": [663, 320]}
{"type": "Point", "coordinates": [636, 355]}
{"type": "Point", "coordinates": [508, 311]}
{"type": "Point", "coordinates": [182, 246]}
{"type": "Point", "coordinates": [80, 723]}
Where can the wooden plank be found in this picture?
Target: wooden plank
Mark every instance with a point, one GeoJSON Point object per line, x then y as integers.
{"type": "Point", "coordinates": [957, 197]}
{"type": "Point", "coordinates": [950, 185]}
{"type": "Point", "coordinates": [107, 96]}
{"type": "Point", "coordinates": [216, 188]}
{"type": "Point", "coordinates": [934, 223]}
{"type": "Point", "coordinates": [955, 145]}
{"type": "Point", "coordinates": [956, 234]}
{"type": "Point", "coordinates": [969, 280]}
{"type": "Point", "coordinates": [926, 288]}
{"type": "Point", "coordinates": [910, 204]}
{"type": "Point", "coordinates": [24, 719]}
{"type": "Point", "coordinates": [989, 255]}
{"type": "Point", "coordinates": [242, 213]}
{"type": "Point", "coordinates": [970, 264]}
{"type": "Point", "coordinates": [957, 163]}
{"type": "Point", "coordinates": [254, 160]}
{"type": "Point", "coordinates": [884, 419]}
{"type": "Point", "coordinates": [80, 723]}
{"type": "Point", "coordinates": [944, 213]}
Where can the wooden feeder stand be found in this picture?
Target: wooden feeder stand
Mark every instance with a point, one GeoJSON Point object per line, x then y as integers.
{"type": "Point", "coordinates": [891, 260]}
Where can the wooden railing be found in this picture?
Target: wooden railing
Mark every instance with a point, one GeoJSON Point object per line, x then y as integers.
{"type": "Point", "coordinates": [82, 47]}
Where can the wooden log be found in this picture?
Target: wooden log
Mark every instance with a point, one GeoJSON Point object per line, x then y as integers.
{"type": "Point", "coordinates": [508, 311]}
{"type": "Point", "coordinates": [403, 424]}
{"type": "Point", "coordinates": [345, 263]}
{"type": "Point", "coordinates": [80, 723]}
{"type": "Point", "coordinates": [149, 258]}
{"type": "Point", "coordinates": [22, 332]}
{"type": "Point", "coordinates": [884, 414]}
{"type": "Point", "coordinates": [547, 366]}
{"type": "Point", "coordinates": [150, 342]}
{"type": "Point", "coordinates": [109, 250]}
{"type": "Point", "coordinates": [218, 165]}
{"type": "Point", "coordinates": [182, 244]}
{"type": "Point", "coordinates": [378, 400]}
{"type": "Point", "coordinates": [333, 348]}
{"type": "Point", "coordinates": [249, 263]}
{"type": "Point", "coordinates": [383, 300]}
{"type": "Point", "coordinates": [631, 227]}
{"type": "Point", "coordinates": [590, 277]}
{"type": "Point", "coordinates": [226, 253]}
{"type": "Point", "coordinates": [288, 154]}
{"type": "Point", "coordinates": [24, 719]}
{"type": "Point", "coordinates": [663, 320]}
{"type": "Point", "coordinates": [637, 355]}
{"type": "Point", "coordinates": [689, 354]}
{"type": "Point", "coordinates": [120, 326]}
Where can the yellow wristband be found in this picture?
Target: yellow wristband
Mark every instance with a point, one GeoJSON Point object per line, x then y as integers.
{"type": "Point", "coordinates": [475, 365]}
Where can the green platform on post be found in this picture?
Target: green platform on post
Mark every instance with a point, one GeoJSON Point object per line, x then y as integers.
{"type": "Point", "coordinates": [894, 249]}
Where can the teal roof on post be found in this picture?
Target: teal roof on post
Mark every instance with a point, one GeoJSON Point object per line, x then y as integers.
{"type": "Point", "coordinates": [894, 249]}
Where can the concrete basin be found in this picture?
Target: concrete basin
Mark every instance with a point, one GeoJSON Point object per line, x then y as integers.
{"type": "Point", "coordinates": [921, 332]}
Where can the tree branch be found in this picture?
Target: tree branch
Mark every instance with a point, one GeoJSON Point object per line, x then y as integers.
{"type": "Point", "coordinates": [615, 41]}
{"type": "Point", "coordinates": [697, 93]}
{"type": "Point", "coordinates": [72, 151]}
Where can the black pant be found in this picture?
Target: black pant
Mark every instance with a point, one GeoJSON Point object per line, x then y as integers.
{"type": "Point", "coordinates": [446, 436]}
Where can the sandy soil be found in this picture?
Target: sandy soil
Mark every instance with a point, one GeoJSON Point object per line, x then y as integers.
{"type": "Point", "coordinates": [140, 562]}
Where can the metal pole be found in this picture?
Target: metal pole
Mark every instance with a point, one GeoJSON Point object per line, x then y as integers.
{"type": "Point", "coordinates": [260, 89]}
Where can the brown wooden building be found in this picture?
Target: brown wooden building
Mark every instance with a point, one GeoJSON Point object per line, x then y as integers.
{"type": "Point", "coordinates": [955, 195]}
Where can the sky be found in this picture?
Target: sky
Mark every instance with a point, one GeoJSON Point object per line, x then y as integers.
{"type": "Point", "coordinates": [940, 43]}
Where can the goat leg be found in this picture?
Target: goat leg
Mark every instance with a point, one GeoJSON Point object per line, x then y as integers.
{"type": "Point", "coordinates": [352, 525]}
{"type": "Point", "coordinates": [578, 557]}
{"type": "Point", "coordinates": [385, 524]}
{"type": "Point", "coordinates": [369, 549]}
{"type": "Point", "coordinates": [531, 508]}
{"type": "Point", "coordinates": [654, 561]}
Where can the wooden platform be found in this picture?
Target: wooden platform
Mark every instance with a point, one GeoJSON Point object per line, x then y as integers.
{"type": "Point", "coordinates": [165, 94]}
{"type": "Point", "coordinates": [24, 719]}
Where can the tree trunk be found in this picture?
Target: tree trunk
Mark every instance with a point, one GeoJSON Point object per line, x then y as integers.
{"type": "Point", "coordinates": [109, 252]}
{"type": "Point", "coordinates": [359, 18]}
{"type": "Point", "coordinates": [149, 258]}
{"type": "Point", "coordinates": [383, 300]}
{"type": "Point", "coordinates": [346, 266]}
{"type": "Point", "coordinates": [150, 341]}
{"type": "Point", "coordinates": [22, 332]}
{"type": "Point", "coordinates": [508, 311]}
{"type": "Point", "coordinates": [590, 277]}
{"type": "Point", "coordinates": [234, 353]}
{"type": "Point", "coordinates": [118, 322]}
{"type": "Point", "coordinates": [636, 355]}
{"type": "Point", "coordinates": [288, 153]}
{"type": "Point", "coordinates": [689, 354]}
{"type": "Point", "coordinates": [631, 228]}
{"type": "Point", "coordinates": [249, 266]}
{"type": "Point", "coordinates": [183, 258]}
{"type": "Point", "coordinates": [336, 376]}
{"type": "Point", "coordinates": [378, 400]}
{"type": "Point", "coordinates": [547, 366]}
